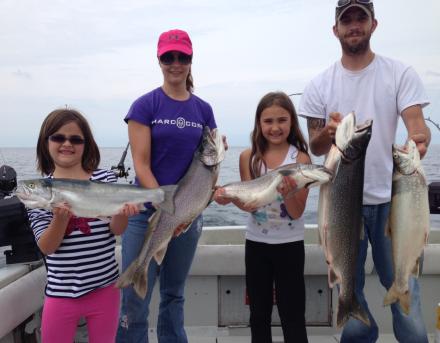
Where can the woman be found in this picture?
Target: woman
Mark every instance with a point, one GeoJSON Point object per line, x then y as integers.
{"type": "Point", "coordinates": [164, 127]}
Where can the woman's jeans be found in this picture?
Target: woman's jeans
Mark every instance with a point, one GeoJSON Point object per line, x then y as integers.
{"type": "Point", "coordinates": [173, 271]}
{"type": "Point", "coordinates": [407, 328]}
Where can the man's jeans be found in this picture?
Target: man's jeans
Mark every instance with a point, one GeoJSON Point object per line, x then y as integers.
{"type": "Point", "coordinates": [406, 328]}
{"type": "Point", "coordinates": [173, 271]}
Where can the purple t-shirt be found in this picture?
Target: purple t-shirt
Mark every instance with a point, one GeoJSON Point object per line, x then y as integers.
{"type": "Point", "coordinates": [176, 131]}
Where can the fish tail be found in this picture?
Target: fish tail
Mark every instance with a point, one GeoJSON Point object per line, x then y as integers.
{"type": "Point", "coordinates": [168, 203]}
{"type": "Point", "coordinates": [394, 295]}
{"type": "Point", "coordinates": [136, 276]}
{"type": "Point", "coordinates": [351, 309]}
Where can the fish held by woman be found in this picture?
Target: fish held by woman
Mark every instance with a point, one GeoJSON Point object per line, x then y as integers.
{"type": "Point", "coordinates": [193, 195]}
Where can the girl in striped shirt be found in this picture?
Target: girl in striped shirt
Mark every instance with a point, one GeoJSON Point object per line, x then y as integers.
{"type": "Point", "coordinates": [79, 252]}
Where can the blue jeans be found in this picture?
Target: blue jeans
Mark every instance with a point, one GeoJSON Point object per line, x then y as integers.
{"type": "Point", "coordinates": [407, 328]}
{"type": "Point", "coordinates": [173, 271]}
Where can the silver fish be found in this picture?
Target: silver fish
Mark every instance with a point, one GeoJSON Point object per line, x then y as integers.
{"type": "Point", "coordinates": [89, 199]}
{"type": "Point", "coordinates": [194, 193]}
{"type": "Point", "coordinates": [408, 224]}
{"type": "Point", "coordinates": [263, 190]}
{"type": "Point", "coordinates": [340, 213]}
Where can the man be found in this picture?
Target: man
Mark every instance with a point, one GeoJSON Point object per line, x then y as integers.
{"type": "Point", "coordinates": [382, 89]}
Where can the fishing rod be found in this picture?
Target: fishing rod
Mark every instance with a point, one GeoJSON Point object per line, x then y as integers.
{"type": "Point", "coordinates": [119, 169]}
{"type": "Point", "coordinates": [427, 119]}
{"type": "Point", "coordinates": [433, 122]}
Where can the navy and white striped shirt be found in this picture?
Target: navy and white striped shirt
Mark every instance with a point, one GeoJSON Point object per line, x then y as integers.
{"type": "Point", "coordinates": [83, 262]}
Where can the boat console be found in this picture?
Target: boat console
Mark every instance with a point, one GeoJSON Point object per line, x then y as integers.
{"type": "Point", "coordinates": [14, 225]}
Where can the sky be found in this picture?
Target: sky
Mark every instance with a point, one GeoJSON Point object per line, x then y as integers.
{"type": "Point", "coordinates": [99, 56]}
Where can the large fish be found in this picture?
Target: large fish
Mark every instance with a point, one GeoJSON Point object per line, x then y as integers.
{"type": "Point", "coordinates": [408, 224]}
{"type": "Point", "coordinates": [340, 213]}
{"type": "Point", "coordinates": [193, 194]}
{"type": "Point", "coordinates": [263, 190]}
{"type": "Point", "coordinates": [90, 199]}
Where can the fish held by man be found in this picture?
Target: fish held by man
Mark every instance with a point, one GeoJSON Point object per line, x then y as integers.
{"type": "Point", "coordinates": [263, 190]}
{"type": "Point", "coordinates": [340, 213]}
{"type": "Point", "coordinates": [408, 222]}
{"type": "Point", "coordinates": [90, 199]}
{"type": "Point", "coordinates": [193, 195]}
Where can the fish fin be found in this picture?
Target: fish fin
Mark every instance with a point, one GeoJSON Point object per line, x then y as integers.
{"type": "Point", "coordinates": [333, 278]}
{"type": "Point", "coordinates": [351, 309]}
{"type": "Point", "coordinates": [335, 172]}
{"type": "Point", "coordinates": [159, 255]}
{"type": "Point", "coordinates": [134, 275]}
{"type": "Point", "coordinates": [168, 203]}
{"type": "Point", "coordinates": [416, 269]}
{"type": "Point", "coordinates": [153, 220]}
{"type": "Point", "coordinates": [393, 295]}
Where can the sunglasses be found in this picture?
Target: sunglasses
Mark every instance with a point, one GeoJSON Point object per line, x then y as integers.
{"type": "Point", "coordinates": [342, 3]}
{"type": "Point", "coordinates": [59, 138]}
{"type": "Point", "coordinates": [169, 58]}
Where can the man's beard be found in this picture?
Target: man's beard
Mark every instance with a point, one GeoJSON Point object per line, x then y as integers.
{"type": "Point", "coordinates": [356, 49]}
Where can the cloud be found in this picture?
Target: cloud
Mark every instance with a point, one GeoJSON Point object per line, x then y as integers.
{"type": "Point", "coordinates": [432, 73]}
{"type": "Point", "coordinates": [22, 74]}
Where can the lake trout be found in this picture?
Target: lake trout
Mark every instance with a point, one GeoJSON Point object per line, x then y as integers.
{"type": "Point", "coordinates": [263, 190]}
{"type": "Point", "coordinates": [408, 223]}
{"type": "Point", "coordinates": [90, 199]}
{"type": "Point", "coordinates": [340, 213]}
{"type": "Point", "coordinates": [193, 194]}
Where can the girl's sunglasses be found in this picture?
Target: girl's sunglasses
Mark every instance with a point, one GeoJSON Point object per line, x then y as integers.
{"type": "Point", "coordinates": [342, 3]}
{"type": "Point", "coordinates": [169, 58]}
{"type": "Point", "coordinates": [59, 138]}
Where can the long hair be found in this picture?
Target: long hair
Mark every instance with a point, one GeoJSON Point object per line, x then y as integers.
{"type": "Point", "coordinates": [189, 82]}
{"type": "Point", "coordinates": [259, 143]}
{"type": "Point", "coordinates": [53, 122]}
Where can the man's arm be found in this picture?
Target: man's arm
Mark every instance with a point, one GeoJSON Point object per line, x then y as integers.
{"type": "Point", "coordinates": [417, 129]}
{"type": "Point", "coordinates": [321, 135]}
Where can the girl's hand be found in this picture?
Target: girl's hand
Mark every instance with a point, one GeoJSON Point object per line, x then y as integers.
{"type": "Point", "coordinates": [129, 210]}
{"type": "Point", "coordinates": [219, 196]}
{"type": "Point", "coordinates": [61, 212]}
{"type": "Point", "coordinates": [287, 186]}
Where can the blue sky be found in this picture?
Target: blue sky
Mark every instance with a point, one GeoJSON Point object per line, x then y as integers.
{"type": "Point", "coordinates": [98, 56]}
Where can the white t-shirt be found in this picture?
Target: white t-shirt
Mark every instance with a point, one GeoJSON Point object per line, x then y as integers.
{"type": "Point", "coordinates": [271, 223]}
{"type": "Point", "coordinates": [381, 91]}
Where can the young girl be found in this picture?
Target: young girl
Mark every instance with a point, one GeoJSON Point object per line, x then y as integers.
{"type": "Point", "coordinates": [79, 252]}
{"type": "Point", "coordinates": [274, 251]}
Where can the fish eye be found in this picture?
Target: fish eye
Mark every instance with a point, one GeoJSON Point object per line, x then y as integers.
{"type": "Point", "coordinates": [32, 185]}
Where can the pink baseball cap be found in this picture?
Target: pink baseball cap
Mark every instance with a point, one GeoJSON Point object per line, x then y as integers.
{"type": "Point", "coordinates": [174, 40]}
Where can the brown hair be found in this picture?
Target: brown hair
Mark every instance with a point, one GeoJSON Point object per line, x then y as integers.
{"type": "Point", "coordinates": [53, 122]}
{"type": "Point", "coordinates": [189, 82]}
{"type": "Point", "coordinates": [259, 143]}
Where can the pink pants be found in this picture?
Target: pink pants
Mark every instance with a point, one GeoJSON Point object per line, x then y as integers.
{"type": "Point", "coordinates": [100, 308]}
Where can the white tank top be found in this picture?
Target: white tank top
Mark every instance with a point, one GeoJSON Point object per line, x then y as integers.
{"type": "Point", "coordinates": [271, 223]}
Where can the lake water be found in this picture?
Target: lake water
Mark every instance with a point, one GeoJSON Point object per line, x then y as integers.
{"type": "Point", "coordinates": [23, 161]}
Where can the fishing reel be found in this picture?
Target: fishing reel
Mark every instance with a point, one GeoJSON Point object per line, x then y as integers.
{"type": "Point", "coordinates": [119, 169]}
